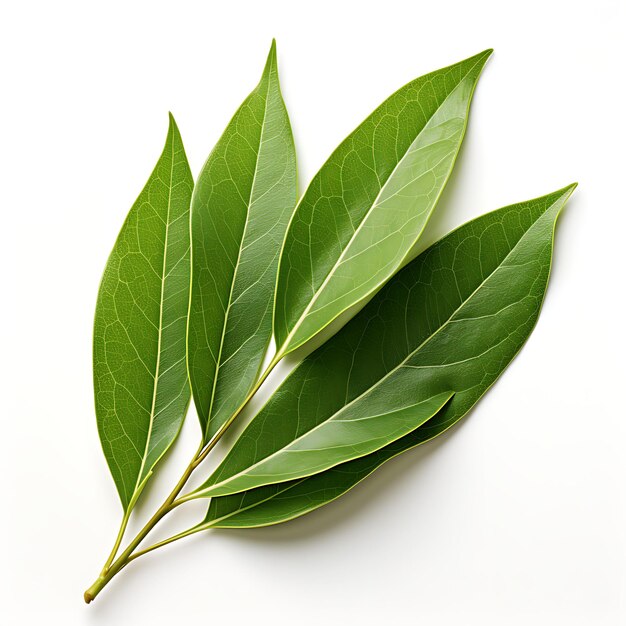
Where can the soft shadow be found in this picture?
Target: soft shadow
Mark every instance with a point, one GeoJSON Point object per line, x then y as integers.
{"type": "Point", "coordinates": [393, 477]}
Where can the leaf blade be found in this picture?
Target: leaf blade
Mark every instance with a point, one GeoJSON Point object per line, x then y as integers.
{"type": "Point", "coordinates": [240, 211]}
{"type": "Point", "coordinates": [387, 175]}
{"type": "Point", "coordinates": [281, 502]}
{"type": "Point", "coordinates": [354, 431]}
{"type": "Point", "coordinates": [140, 377]}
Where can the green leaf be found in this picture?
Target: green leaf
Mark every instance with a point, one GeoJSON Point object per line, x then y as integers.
{"type": "Point", "coordinates": [240, 210]}
{"type": "Point", "coordinates": [140, 376]}
{"type": "Point", "coordinates": [367, 423]}
{"type": "Point", "coordinates": [368, 205]}
{"type": "Point", "coordinates": [454, 318]}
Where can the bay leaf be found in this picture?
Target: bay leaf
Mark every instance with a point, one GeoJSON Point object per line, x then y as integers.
{"type": "Point", "coordinates": [367, 206]}
{"type": "Point", "coordinates": [367, 423]}
{"type": "Point", "coordinates": [140, 375]}
{"type": "Point", "coordinates": [241, 205]}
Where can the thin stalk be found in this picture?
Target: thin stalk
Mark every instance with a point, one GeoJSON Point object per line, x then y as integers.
{"type": "Point", "coordinates": [218, 435]}
{"type": "Point", "coordinates": [160, 544]}
{"type": "Point", "coordinates": [118, 540]}
{"type": "Point", "coordinates": [112, 567]}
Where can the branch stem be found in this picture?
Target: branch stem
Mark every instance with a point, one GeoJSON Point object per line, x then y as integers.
{"type": "Point", "coordinates": [114, 566]}
{"type": "Point", "coordinates": [224, 427]}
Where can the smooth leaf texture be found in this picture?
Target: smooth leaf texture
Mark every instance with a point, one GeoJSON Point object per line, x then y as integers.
{"type": "Point", "coordinates": [140, 374]}
{"type": "Point", "coordinates": [454, 318]}
{"type": "Point", "coordinates": [240, 210]}
{"type": "Point", "coordinates": [310, 445]}
{"type": "Point", "coordinates": [367, 206]}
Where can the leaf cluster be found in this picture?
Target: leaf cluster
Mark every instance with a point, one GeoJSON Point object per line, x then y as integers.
{"type": "Point", "coordinates": [204, 275]}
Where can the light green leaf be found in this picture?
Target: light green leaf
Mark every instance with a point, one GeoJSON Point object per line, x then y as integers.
{"type": "Point", "coordinates": [240, 210]}
{"type": "Point", "coordinates": [365, 424]}
{"type": "Point", "coordinates": [367, 206]}
{"type": "Point", "coordinates": [140, 375]}
{"type": "Point", "coordinates": [454, 318]}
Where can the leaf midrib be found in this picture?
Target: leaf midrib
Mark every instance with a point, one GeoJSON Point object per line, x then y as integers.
{"type": "Point", "coordinates": [330, 273]}
{"type": "Point", "coordinates": [241, 247]}
{"type": "Point", "coordinates": [160, 327]}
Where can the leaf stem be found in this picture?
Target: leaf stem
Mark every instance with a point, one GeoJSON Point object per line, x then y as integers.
{"type": "Point", "coordinates": [224, 427]}
{"type": "Point", "coordinates": [191, 531]}
{"type": "Point", "coordinates": [113, 567]}
{"type": "Point", "coordinates": [118, 540]}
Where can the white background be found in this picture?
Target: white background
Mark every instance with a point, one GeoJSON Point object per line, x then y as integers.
{"type": "Point", "coordinates": [517, 516]}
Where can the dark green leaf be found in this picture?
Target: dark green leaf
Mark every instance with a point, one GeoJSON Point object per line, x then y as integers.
{"type": "Point", "coordinates": [454, 318]}
{"type": "Point", "coordinates": [140, 375]}
{"type": "Point", "coordinates": [367, 206]}
{"type": "Point", "coordinates": [240, 210]}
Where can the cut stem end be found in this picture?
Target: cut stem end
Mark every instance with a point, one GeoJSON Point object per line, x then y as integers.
{"type": "Point", "coordinates": [94, 590]}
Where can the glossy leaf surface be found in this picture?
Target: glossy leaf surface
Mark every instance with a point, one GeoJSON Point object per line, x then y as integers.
{"type": "Point", "coordinates": [367, 423]}
{"type": "Point", "coordinates": [240, 209]}
{"type": "Point", "coordinates": [454, 318]}
{"type": "Point", "coordinates": [367, 206]}
{"type": "Point", "coordinates": [140, 374]}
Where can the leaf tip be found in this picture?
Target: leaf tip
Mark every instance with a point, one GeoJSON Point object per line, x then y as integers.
{"type": "Point", "coordinates": [271, 57]}
{"type": "Point", "coordinates": [171, 120]}
{"type": "Point", "coordinates": [568, 190]}
{"type": "Point", "coordinates": [270, 64]}
{"type": "Point", "coordinates": [484, 56]}
{"type": "Point", "coordinates": [561, 197]}
{"type": "Point", "coordinates": [478, 61]}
